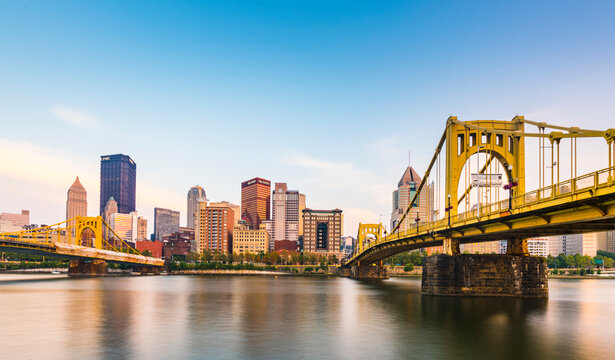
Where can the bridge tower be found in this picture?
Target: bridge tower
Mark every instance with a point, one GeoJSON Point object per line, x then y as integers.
{"type": "Point", "coordinates": [498, 139]}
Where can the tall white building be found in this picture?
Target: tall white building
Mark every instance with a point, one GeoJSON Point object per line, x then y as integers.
{"type": "Point", "coordinates": [195, 194]}
{"type": "Point", "coordinates": [285, 217]}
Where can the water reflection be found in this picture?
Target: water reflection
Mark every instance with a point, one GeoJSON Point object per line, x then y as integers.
{"type": "Point", "coordinates": [301, 318]}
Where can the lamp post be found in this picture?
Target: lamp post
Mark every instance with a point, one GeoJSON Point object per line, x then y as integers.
{"type": "Point", "coordinates": [448, 210]}
{"type": "Point", "coordinates": [512, 183]}
{"type": "Point", "coordinates": [417, 221]}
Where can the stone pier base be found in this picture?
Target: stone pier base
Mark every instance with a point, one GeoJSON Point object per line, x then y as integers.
{"type": "Point", "coordinates": [92, 267]}
{"type": "Point", "coordinates": [485, 275]}
{"type": "Point", "coordinates": [147, 269]}
{"type": "Point", "coordinates": [368, 272]}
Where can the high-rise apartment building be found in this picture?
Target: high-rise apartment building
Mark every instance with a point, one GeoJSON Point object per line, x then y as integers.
{"type": "Point", "coordinates": [20, 220]}
{"type": "Point", "coordinates": [166, 222]}
{"type": "Point", "coordinates": [250, 241]}
{"type": "Point", "coordinates": [406, 188]}
{"type": "Point", "coordinates": [118, 179]}
{"type": "Point", "coordinates": [236, 209]}
{"type": "Point", "coordinates": [285, 217]}
{"type": "Point", "coordinates": [76, 201]}
{"type": "Point", "coordinates": [214, 227]}
{"type": "Point", "coordinates": [195, 194]}
{"type": "Point", "coordinates": [255, 201]}
{"type": "Point", "coordinates": [323, 231]}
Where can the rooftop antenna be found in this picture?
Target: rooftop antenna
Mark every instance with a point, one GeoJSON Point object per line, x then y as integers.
{"type": "Point", "coordinates": [408, 158]}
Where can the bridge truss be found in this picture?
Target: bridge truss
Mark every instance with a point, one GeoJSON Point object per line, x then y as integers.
{"type": "Point", "coordinates": [578, 204]}
{"type": "Point", "coordinates": [80, 237]}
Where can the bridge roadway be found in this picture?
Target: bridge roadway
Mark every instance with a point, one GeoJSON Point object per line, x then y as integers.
{"type": "Point", "coordinates": [583, 204]}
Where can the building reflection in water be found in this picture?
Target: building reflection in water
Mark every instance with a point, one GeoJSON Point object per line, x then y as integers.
{"type": "Point", "coordinates": [296, 317]}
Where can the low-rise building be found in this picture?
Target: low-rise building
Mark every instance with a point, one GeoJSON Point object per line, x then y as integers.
{"type": "Point", "coordinates": [246, 240]}
{"type": "Point", "coordinates": [154, 247]}
{"type": "Point", "coordinates": [180, 243]}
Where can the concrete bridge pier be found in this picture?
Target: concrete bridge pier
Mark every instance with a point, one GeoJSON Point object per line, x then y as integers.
{"type": "Point", "coordinates": [82, 267]}
{"type": "Point", "coordinates": [372, 271]}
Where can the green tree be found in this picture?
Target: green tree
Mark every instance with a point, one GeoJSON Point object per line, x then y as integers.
{"type": "Point", "coordinates": [408, 267]}
{"type": "Point", "coordinates": [146, 253]}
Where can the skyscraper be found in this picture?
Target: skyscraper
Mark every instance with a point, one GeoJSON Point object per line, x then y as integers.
{"type": "Point", "coordinates": [285, 216]}
{"type": "Point", "coordinates": [118, 177]}
{"type": "Point", "coordinates": [255, 201]}
{"type": "Point", "coordinates": [195, 194]}
{"type": "Point", "coordinates": [76, 200]}
{"type": "Point", "coordinates": [406, 188]}
{"type": "Point", "coordinates": [166, 222]}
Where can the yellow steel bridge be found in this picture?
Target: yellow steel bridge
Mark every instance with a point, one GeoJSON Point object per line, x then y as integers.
{"type": "Point", "coordinates": [579, 204]}
{"type": "Point", "coordinates": [80, 238]}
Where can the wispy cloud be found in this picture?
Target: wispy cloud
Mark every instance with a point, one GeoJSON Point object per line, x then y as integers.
{"type": "Point", "coordinates": [75, 117]}
{"type": "Point", "coordinates": [364, 193]}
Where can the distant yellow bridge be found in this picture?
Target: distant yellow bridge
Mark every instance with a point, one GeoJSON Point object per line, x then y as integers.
{"type": "Point", "coordinates": [580, 204]}
{"type": "Point", "coordinates": [80, 238]}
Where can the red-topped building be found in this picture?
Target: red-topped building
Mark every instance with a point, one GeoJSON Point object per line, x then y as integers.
{"type": "Point", "coordinates": [255, 201]}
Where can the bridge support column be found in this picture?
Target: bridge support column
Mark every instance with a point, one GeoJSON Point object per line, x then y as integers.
{"type": "Point", "coordinates": [485, 275]}
{"type": "Point", "coordinates": [451, 246]}
{"type": "Point", "coordinates": [517, 247]}
{"type": "Point", "coordinates": [94, 267]}
{"type": "Point", "coordinates": [375, 271]}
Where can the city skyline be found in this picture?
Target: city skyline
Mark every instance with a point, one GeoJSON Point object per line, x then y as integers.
{"type": "Point", "coordinates": [326, 80]}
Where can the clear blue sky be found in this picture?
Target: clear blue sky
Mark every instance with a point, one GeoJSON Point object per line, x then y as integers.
{"type": "Point", "coordinates": [326, 96]}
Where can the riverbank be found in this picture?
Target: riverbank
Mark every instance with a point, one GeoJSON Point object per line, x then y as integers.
{"type": "Point", "coordinates": [582, 277]}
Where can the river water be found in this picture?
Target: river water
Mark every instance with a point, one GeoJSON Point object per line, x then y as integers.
{"type": "Point", "coordinates": [226, 317]}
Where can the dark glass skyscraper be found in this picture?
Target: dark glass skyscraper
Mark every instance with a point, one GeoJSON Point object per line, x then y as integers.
{"type": "Point", "coordinates": [118, 178]}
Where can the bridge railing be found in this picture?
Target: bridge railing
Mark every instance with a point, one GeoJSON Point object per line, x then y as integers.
{"type": "Point", "coordinates": [594, 180]}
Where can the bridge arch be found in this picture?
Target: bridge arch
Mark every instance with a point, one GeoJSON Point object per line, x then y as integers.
{"type": "Point", "coordinates": [495, 137]}
{"type": "Point", "coordinates": [90, 223]}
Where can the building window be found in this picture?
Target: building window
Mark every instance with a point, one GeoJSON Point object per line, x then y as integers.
{"type": "Point", "coordinates": [322, 233]}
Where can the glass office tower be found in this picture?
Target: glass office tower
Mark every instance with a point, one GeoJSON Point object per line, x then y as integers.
{"type": "Point", "coordinates": [118, 178]}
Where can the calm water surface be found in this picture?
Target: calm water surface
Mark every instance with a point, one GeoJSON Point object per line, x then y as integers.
{"type": "Point", "coordinates": [189, 317]}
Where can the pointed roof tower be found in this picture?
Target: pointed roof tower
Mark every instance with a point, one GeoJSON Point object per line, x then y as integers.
{"type": "Point", "coordinates": [77, 185]}
{"type": "Point", "coordinates": [410, 175]}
